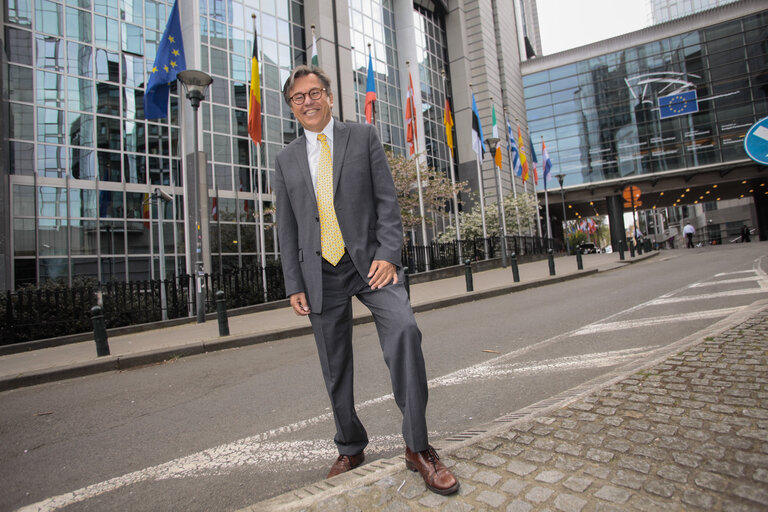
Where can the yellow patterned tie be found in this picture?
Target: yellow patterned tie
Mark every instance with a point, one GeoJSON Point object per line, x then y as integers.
{"type": "Point", "coordinates": [331, 241]}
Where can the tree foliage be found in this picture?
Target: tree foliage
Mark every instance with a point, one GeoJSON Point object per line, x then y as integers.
{"type": "Point", "coordinates": [436, 190]}
{"type": "Point", "coordinates": [522, 208]}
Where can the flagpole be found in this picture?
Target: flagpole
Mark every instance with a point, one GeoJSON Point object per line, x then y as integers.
{"type": "Point", "coordinates": [261, 223]}
{"type": "Point", "coordinates": [497, 173]}
{"type": "Point", "coordinates": [482, 194]}
{"type": "Point", "coordinates": [416, 156]}
{"type": "Point", "coordinates": [546, 197]}
{"type": "Point", "coordinates": [453, 181]}
{"type": "Point", "coordinates": [373, 103]}
{"type": "Point", "coordinates": [512, 170]}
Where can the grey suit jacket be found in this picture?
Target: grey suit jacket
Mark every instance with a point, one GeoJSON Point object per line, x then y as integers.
{"type": "Point", "coordinates": [364, 198]}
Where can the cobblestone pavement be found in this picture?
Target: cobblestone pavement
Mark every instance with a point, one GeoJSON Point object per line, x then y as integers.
{"type": "Point", "coordinates": [690, 433]}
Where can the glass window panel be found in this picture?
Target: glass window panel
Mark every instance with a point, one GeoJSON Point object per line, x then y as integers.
{"type": "Point", "coordinates": [159, 171]}
{"type": "Point", "coordinates": [108, 130]}
{"type": "Point", "coordinates": [107, 99]}
{"type": "Point", "coordinates": [133, 39]}
{"type": "Point", "coordinates": [80, 94]}
{"type": "Point", "coordinates": [106, 31]}
{"type": "Point", "coordinates": [82, 202]}
{"type": "Point", "coordinates": [48, 17]}
{"type": "Point", "coordinates": [52, 201]}
{"type": "Point", "coordinates": [50, 125]}
{"type": "Point", "coordinates": [137, 234]}
{"type": "Point", "coordinates": [109, 166]}
{"type": "Point", "coordinates": [22, 125]}
{"type": "Point", "coordinates": [50, 89]}
{"type": "Point", "coordinates": [135, 169]}
{"type": "Point", "coordinates": [220, 119]}
{"type": "Point", "coordinates": [240, 149]}
{"type": "Point", "coordinates": [219, 62]}
{"type": "Point", "coordinates": [79, 25]}
{"type": "Point", "coordinates": [21, 157]}
{"type": "Point", "coordinates": [52, 236]}
{"type": "Point", "coordinates": [157, 137]}
{"type": "Point", "coordinates": [136, 205]}
{"type": "Point", "coordinates": [107, 66]}
{"type": "Point", "coordinates": [82, 164]}
{"type": "Point", "coordinates": [18, 45]}
{"type": "Point", "coordinates": [79, 59]}
{"type": "Point", "coordinates": [111, 204]}
{"type": "Point", "coordinates": [50, 53]}
{"type": "Point", "coordinates": [51, 161]}
{"type": "Point", "coordinates": [23, 200]}
{"type": "Point", "coordinates": [80, 129]}
{"type": "Point", "coordinates": [54, 269]}
{"type": "Point", "coordinates": [133, 71]}
{"type": "Point", "coordinates": [112, 236]}
{"type": "Point", "coordinates": [19, 80]}
{"type": "Point", "coordinates": [133, 136]}
{"type": "Point", "coordinates": [84, 237]}
{"type": "Point", "coordinates": [23, 237]}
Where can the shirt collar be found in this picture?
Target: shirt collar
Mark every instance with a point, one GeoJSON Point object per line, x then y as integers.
{"type": "Point", "coordinates": [328, 131]}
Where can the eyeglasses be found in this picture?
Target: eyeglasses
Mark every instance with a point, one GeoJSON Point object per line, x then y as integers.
{"type": "Point", "coordinates": [299, 98]}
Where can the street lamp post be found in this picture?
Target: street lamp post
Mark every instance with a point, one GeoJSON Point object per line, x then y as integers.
{"type": "Point", "coordinates": [493, 143]}
{"type": "Point", "coordinates": [195, 85]}
{"type": "Point", "coordinates": [561, 179]}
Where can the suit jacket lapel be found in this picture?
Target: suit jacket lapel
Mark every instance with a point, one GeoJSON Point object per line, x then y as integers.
{"type": "Point", "coordinates": [340, 139]}
{"type": "Point", "coordinates": [301, 157]}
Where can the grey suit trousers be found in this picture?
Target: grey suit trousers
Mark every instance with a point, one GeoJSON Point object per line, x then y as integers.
{"type": "Point", "coordinates": [400, 341]}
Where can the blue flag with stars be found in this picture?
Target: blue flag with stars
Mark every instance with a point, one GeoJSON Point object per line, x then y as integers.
{"type": "Point", "coordinates": [168, 62]}
{"type": "Point", "coordinates": [678, 104]}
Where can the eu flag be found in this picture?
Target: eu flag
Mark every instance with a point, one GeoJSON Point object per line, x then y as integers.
{"type": "Point", "coordinates": [168, 62]}
{"type": "Point", "coordinates": [678, 104]}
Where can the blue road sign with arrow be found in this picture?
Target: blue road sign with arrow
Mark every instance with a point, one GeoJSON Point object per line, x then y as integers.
{"type": "Point", "coordinates": [756, 142]}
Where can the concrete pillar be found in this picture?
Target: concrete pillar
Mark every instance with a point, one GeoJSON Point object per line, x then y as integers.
{"type": "Point", "coordinates": [761, 213]}
{"type": "Point", "coordinates": [616, 220]}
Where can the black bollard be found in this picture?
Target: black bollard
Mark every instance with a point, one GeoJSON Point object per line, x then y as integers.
{"type": "Point", "coordinates": [621, 250]}
{"type": "Point", "coordinates": [99, 332]}
{"type": "Point", "coordinates": [221, 309]}
{"type": "Point", "coordinates": [468, 275]}
{"type": "Point", "coordinates": [515, 270]}
{"type": "Point", "coordinates": [631, 249]}
{"type": "Point", "coordinates": [407, 282]}
{"type": "Point", "coordinates": [579, 262]}
{"type": "Point", "coordinates": [551, 257]}
{"type": "Point", "coordinates": [639, 248]}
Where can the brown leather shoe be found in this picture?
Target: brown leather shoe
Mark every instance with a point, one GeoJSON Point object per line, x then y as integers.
{"type": "Point", "coordinates": [345, 463]}
{"type": "Point", "coordinates": [436, 476]}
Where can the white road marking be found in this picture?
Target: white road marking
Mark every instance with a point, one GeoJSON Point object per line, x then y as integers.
{"type": "Point", "coordinates": [717, 295]}
{"type": "Point", "coordinates": [721, 274]}
{"type": "Point", "coordinates": [659, 320]}
{"type": "Point", "coordinates": [727, 281]}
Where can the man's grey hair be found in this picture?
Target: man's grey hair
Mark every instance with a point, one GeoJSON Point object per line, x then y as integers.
{"type": "Point", "coordinates": [304, 70]}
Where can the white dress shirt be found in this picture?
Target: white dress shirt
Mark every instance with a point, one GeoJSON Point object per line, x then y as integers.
{"type": "Point", "coordinates": [313, 149]}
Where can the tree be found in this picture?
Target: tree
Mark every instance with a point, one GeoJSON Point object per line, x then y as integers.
{"type": "Point", "coordinates": [524, 206]}
{"type": "Point", "coordinates": [436, 189]}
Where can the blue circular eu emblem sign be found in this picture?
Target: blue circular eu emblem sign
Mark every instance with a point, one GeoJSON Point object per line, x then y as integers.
{"type": "Point", "coordinates": [756, 142]}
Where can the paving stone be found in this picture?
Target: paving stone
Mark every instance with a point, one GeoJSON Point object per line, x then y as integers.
{"type": "Point", "coordinates": [725, 468]}
{"type": "Point", "coordinates": [467, 453]}
{"type": "Point", "coordinates": [663, 489]}
{"type": "Point", "coordinates": [618, 445]}
{"type": "Point", "coordinates": [513, 486]}
{"type": "Point", "coordinates": [687, 459]}
{"type": "Point", "coordinates": [519, 506]}
{"type": "Point", "coordinates": [628, 479]}
{"type": "Point", "coordinates": [493, 499]}
{"type": "Point", "coordinates": [752, 493]}
{"type": "Point", "coordinates": [433, 500]}
{"type": "Point", "coordinates": [549, 477]}
{"type": "Point", "coordinates": [711, 481]}
{"type": "Point", "coordinates": [491, 460]}
{"type": "Point", "coordinates": [761, 475]}
{"type": "Point", "coordinates": [613, 494]}
{"type": "Point", "coordinates": [674, 473]}
{"type": "Point", "coordinates": [739, 443]}
{"type": "Point", "coordinates": [490, 444]}
{"type": "Point", "coordinates": [568, 464]}
{"type": "Point", "coordinates": [577, 484]}
{"type": "Point", "coordinates": [486, 477]}
{"type": "Point", "coordinates": [464, 470]}
{"type": "Point", "coordinates": [570, 449]}
{"type": "Point", "coordinates": [537, 455]}
{"type": "Point", "coordinates": [520, 468]}
{"type": "Point", "coordinates": [755, 459]}
{"type": "Point", "coordinates": [569, 503]}
{"type": "Point", "coordinates": [599, 455]}
{"type": "Point", "coordinates": [698, 499]}
{"type": "Point", "coordinates": [456, 506]}
{"type": "Point", "coordinates": [635, 464]}
{"type": "Point", "coordinates": [539, 494]}
{"type": "Point", "coordinates": [598, 472]}
{"type": "Point", "coordinates": [466, 489]}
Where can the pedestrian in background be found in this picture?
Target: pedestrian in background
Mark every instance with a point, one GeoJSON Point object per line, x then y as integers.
{"type": "Point", "coordinates": [341, 235]}
{"type": "Point", "coordinates": [745, 234]}
{"type": "Point", "coordinates": [688, 231]}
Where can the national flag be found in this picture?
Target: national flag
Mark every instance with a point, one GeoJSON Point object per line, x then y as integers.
{"type": "Point", "coordinates": [547, 163]}
{"type": "Point", "coordinates": [495, 134]}
{"type": "Point", "coordinates": [254, 100]}
{"type": "Point", "coordinates": [678, 104]}
{"type": "Point", "coordinates": [535, 161]}
{"type": "Point", "coordinates": [513, 149]}
{"type": "Point", "coordinates": [168, 62]}
{"type": "Point", "coordinates": [523, 161]}
{"type": "Point", "coordinates": [411, 136]}
{"type": "Point", "coordinates": [477, 131]}
{"type": "Point", "coordinates": [370, 94]}
{"type": "Point", "coordinates": [448, 122]}
{"type": "Point", "coordinates": [214, 208]}
{"type": "Point", "coordinates": [314, 60]}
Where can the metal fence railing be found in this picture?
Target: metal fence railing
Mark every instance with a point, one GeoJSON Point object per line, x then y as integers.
{"type": "Point", "coordinates": [55, 309]}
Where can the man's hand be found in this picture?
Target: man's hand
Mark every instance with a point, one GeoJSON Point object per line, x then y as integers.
{"type": "Point", "coordinates": [382, 273]}
{"type": "Point", "coordinates": [299, 304]}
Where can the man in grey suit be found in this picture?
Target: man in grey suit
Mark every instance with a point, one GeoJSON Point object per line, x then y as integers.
{"type": "Point", "coordinates": [341, 236]}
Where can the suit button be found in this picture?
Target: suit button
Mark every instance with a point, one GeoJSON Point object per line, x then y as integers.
{"type": "Point", "coordinates": [317, 219]}
{"type": "Point", "coordinates": [318, 253]}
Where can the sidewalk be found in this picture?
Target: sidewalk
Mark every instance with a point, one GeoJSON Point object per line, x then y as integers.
{"type": "Point", "coordinates": [688, 432]}
{"type": "Point", "coordinates": [142, 348]}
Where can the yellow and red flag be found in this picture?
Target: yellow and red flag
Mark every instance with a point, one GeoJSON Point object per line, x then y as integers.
{"type": "Point", "coordinates": [448, 122]}
{"type": "Point", "coordinates": [410, 118]}
{"type": "Point", "coordinates": [254, 103]}
{"type": "Point", "coordinates": [523, 160]}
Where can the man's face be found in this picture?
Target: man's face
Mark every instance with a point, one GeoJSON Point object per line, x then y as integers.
{"type": "Point", "coordinates": [312, 114]}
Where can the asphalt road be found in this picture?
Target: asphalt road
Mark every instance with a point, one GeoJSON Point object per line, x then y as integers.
{"type": "Point", "coordinates": [224, 430]}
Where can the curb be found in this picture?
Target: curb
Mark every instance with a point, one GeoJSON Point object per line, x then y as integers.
{"type": "Point", "coordinates": [117, 363]}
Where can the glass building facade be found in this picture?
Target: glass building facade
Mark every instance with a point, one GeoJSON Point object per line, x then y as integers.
{"type": "Point", "coordinates": [600, 117]}
{"type": "Point", "coordinates": [83, 161]}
